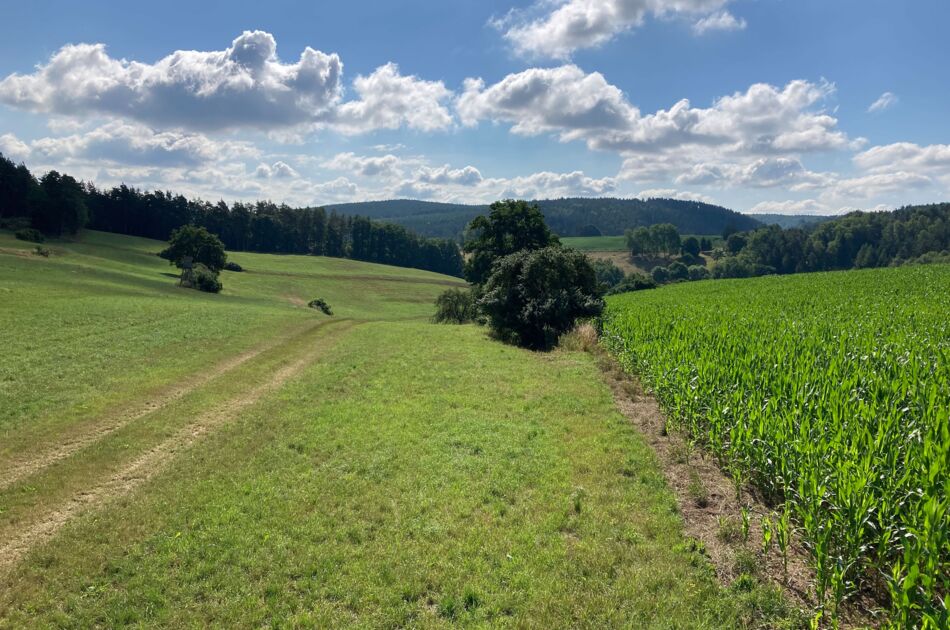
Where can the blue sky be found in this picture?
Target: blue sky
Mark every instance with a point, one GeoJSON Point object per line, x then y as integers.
{"type": "Point", "coordinates": [760, 105]}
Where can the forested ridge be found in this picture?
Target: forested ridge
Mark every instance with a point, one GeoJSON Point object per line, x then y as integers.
{"type": "Point", "coordinates": [580, 216]}
{"type": "Point", "coordinates": [58, 204]}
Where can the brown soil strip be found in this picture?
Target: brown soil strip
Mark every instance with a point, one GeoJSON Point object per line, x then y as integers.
{"type": "Point", "coordinates": [18, 470]}
{"type": "Point", "coordinates": [711, 511]}
{"type": "Point", "coordinates": [153, 461]}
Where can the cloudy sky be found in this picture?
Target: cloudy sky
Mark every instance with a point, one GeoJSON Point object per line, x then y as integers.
{"type": "Point", "coordinates": [792, 106]}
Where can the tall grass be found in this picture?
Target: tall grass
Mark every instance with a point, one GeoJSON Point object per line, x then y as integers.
{"type": "Point", "coordinates": [830, 394]}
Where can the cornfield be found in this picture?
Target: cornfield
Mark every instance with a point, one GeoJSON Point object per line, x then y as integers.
{"type": "Point", "coordinates": [829, 393]}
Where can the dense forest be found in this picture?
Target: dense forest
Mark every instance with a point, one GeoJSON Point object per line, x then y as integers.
{"type": "Point", "coordinates": [856, 240]}
{"type": "Point", "coordinates": [567, 217]}
{"type": "Point", "coordinates": [57, 204]}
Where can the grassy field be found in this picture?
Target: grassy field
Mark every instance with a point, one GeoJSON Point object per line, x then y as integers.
{"type": "Point", "coordinates": [596, 243]}
{"type": "Point", "coordinates": [830, 393]}
{"type": "Point", "coordinates": [175, 458]}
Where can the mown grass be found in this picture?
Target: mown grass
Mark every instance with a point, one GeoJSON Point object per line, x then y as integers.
{"type": "Point", "coordinates": [413, 475]}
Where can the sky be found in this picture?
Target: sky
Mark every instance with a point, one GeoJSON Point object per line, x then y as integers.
{"type": "Point", "coordinates": [787, 106]}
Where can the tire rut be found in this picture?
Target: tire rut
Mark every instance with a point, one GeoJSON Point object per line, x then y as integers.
{"type": "Point", "coordinates": [18, 470]}
{"type": "Point", "coordinates": [153, 461]}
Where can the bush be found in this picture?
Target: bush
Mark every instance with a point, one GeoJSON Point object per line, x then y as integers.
{"type": "Point", "coordinates": [633, 282]}
{"type": "Point", "coordinates": [608, 274]}
{"type": "Point", "coordinates": [207, 280]}
{"type": "Point", "coordinates": [698, 272]}
{"type": "Point", "coordinates": [678, 271]}
{"type": "Point", "coordinates": [321, 305]}
{"type": "Point", "coordinates": [534, 296]}
{"type": "Point", "coordinates": [29, 234]}
{"type": "Point", "coordinates": [232, 266]}
{"type": "Point", "coordinates": [660, 274]}
{"type": "Point", "coordinates": [455, 306]}
{"type": "Point", "coordinates": [39, 250]}
{"type": "Point", "coordinates": [202, 278]}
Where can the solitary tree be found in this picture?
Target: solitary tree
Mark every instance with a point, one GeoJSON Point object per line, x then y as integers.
{"type": "Point", "coordinates": [510, 227]}
{"type": "Point", "coordinates": [198, 244]}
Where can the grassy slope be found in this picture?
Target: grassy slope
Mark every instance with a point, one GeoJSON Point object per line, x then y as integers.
{"type": "Point", "coordinates": [412, 474]}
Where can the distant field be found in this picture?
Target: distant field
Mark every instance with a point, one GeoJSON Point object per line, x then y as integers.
{"type": "Point", "coordinates": [828, 391]}
{"type": "Point", "coordinates": [175, 458]}
{"type": "Point", "coordinates": [596, 243]}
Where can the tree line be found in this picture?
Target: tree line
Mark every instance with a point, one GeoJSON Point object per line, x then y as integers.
{"type": "Point", "coordinates": [855, 241]}
{"type": "Point", "coordinates": [58, 204]}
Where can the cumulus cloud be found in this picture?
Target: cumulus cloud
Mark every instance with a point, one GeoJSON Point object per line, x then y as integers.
{"type": "Point", "coordinates": [277, 170]}
{"type": "Point", "coordinates": [576, 24]}
{"type": "Point", "coordinates": [466, 176]}
{"type": "Point", "coordinates": [577, 105]}
{"type": "Point", "coordinates": [130, 144]}
{"type": "Point", "coordinates": [365, 166]}
{"type": "Point", "coordinates": [933, 159]}
{"type": "Point", "coordinates": [389, 100]}
{"type": "Point", "coordinates": [246, 85]}
{"type": "Point", "coordinates": [884, 101]}
{"type": "Point", "coordinates": [13, 148]}
{"type": "Point", "coordinates": [721, 21]}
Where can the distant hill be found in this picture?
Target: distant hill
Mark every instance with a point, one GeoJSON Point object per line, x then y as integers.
{"type": "Point", "coordinates": [567, 217]}
{"type": "Point", "coordinates": [790, 220]}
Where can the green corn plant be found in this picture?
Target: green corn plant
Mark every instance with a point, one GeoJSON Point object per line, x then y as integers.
{"type": "Point", "coordinates": [766, 534]}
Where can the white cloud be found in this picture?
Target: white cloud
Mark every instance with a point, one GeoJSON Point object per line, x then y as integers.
{"type": "Point", "coordinates": [466, 176]}
{"type": "Point", "coordinates": [245, 85]}
{"type": "Point", "coordinates": [365, 166]}
{"type": "Point", "coordinates": [564, 99]}
{"type": "Point", "coordinates": [575, 105]}
{"type": "Point", "coordinates": [13, 148]}
{"type": "Point", "coordinates": [884, 101]}
{"type": "Point", "coordinates": [277, 170]}
{"type": "Point", "coordinates": [130, 144]}
{"type": "Point", "coordinates": [721, 21]}
{"type": "Point", "coordinates": [388, 100]}
{"type": "Point", "coordinates": [577, 24]}
{"type": "Point", "coordinates": [933, 159]}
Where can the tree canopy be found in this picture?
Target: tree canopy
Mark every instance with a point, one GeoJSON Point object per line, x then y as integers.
{"type": "Point", "coordinates": [190, 242]}
{"type": "Point", "coordinates": [535, 295]}
{"type": "Point", "coordinates": [511, 226]}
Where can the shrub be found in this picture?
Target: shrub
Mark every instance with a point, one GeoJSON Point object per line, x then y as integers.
{"type": "Point", "coordinates": [608, 274]}
{"type": "Point", "coordinates": [698, 272]}
{"type": "Point", "coordinates": [41, 251]}
{"type": "Point", "coordinates": [678, 271]}
{"type": "Point", "coordinates": [633, 282]}
{"type": "Point", "coordinates": [534, 296]}
{"type": "Point", "coordinates": [660, 274]}
{"type": "Point", "coordinates": [321, 305]}
{"type": "Point", "coordinates": [232, 266]}
{"type": "Point", "coordinates": [455, 306]}
{"type": "Point", "coordinates": [206, 280]}
{"type": "Point", "coordinates": [29, 234]}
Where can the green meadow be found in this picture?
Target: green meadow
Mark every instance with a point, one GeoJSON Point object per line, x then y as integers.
{"type": "Point", "coordinates": [175, 458]}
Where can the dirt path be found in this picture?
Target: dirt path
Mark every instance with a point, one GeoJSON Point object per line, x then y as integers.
{"type": "Point", "coordinates": [153, 461]}
{"type": "Point", "coordinates": [17, 470]}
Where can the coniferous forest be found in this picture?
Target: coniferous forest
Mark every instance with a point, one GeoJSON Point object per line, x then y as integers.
{"type": "Point", "coordinates": [58, 204]}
